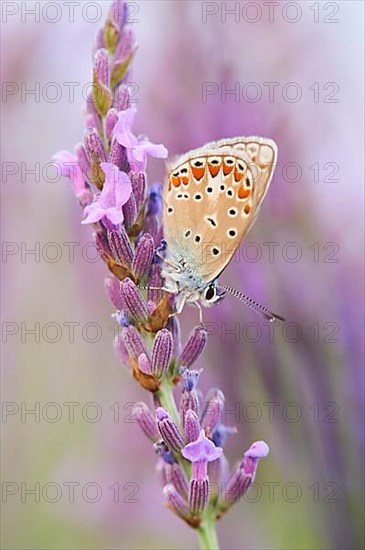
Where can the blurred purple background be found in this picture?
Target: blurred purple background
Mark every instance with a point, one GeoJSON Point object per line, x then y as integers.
{"type": "Point", "coordinates": [308, 373]}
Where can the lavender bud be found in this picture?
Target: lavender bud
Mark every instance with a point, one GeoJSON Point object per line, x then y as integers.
{"type": "Point", "coordinates": [110, 122]}
{"type": "Point", "coordinates": [117, 13]}
{"type": "Point", "coordinates": [191, 426]}
{"type": "Point", "coordinates": [99, 40]}
{"type": "Point", "coordinates": [93, 119]}
{"type": "Point", "coordinates": [154, 202]}
{"type": "Point", "coordinates": [83, 161]}
{"type": "Point", "coordinates": [243, 475]}
{"type": "Point", "coordinates": [212, 414]}
{"type": "Point", "coordinates": [102, 95]}
{"type": "Point", "coordinates": [212, 394]}
{"type": "Point", "coordinates": [154, 284]}
{"type": "Point", "coordinates": [135, 305]}
{"type": "Point", "coordinates": [101, 243]}
{"type": "Point", "coordinates": [130, 212]}
{"type": "Point", "coordinates": [144, 364]}
{"type": "Point", "coordinates": [176, 476]}
{"type": "Point", "coordinates": [236, 486]}
{"type": "Point", "coordinates": [94, 146]}
{"type": "Point", "coordinates": [175, 501]}
{"type": "Point", "coordinates": [161, 352]}
{"type": "Point", "coordinates": [122, 98]}
{"type": "Point", "coordinates": [123, 56]}
{"type": "Point", "coordinates": [138, 180]}
{"type": "Point", "coordinates": [174, 327]}
{"type": "Point", "coordinates": [198, 495]}
{"type": "Point", "coordinates": [121, 351]}
{"type": "Point", "coordinates": [189, 397]}
{"type": "Point", "coordinates": [120, 247]}
{"type": "Point", "coordinates": [193, 347]}
{"type": "Point", "coordinates": [146, 421]}
{"type": "Point", "coordinates": [134, 343]}
{"type": "Point", "coordinates": [218, 471]}
{"type": "Point", "coordinates": [118, 155]}
{"type": "Point", "coordinates": [143, 256]}
{"type": "Point", "coordinates": [152, 226]}
{"type": "Point", "coordinates": [168, 430]}
{"type": "Point", "coordinates": [112, 288]}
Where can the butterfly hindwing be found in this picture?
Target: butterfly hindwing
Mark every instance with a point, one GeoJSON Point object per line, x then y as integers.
{"type": "Point", "coordinates": [211, 199]}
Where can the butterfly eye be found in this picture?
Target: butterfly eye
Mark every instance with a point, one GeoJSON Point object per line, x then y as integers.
{"type": "Point", "coordinates": [210, 293]}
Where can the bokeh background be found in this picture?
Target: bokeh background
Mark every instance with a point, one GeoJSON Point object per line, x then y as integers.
{"type": "Point", "coordinates": [310, 370]}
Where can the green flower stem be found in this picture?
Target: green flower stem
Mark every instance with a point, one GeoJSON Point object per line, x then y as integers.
{"type": "Point", "coordinates": [208, 534]}
{"type": "Point", "coordinates": [166, 395]}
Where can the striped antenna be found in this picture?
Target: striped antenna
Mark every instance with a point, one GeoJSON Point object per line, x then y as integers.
{"type": "Point", "coordinates": [262, 310]}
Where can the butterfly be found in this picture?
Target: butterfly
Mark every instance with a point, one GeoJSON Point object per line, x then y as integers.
{"type": "Point", "coordinates": [211, 199]}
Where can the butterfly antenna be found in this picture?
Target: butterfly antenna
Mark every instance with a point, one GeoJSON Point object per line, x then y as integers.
{"type": "Point", "coordinates": [255, 306]}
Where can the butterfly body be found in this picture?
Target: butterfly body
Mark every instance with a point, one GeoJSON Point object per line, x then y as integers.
{"type": "Point", "coordinates": [211, 199]}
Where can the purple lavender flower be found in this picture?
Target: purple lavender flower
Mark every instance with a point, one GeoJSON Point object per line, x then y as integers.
{"type": "Point", "coordinates": [243, 475]}
{"type": "Point", "coordinates": [70, 167]}
{"type": "Point", "coordinates": [200, 452]}
{"type": "Point", "coordinates": [108, 205]}
{"type": "Point", "coordinates": [137, 148]}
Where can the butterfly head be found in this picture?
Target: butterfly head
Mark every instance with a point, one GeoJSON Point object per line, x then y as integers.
{"type": "Point", "coordinates": [211, 294]}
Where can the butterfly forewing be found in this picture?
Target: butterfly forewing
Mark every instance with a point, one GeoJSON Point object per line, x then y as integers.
{"type": "Point", "coordinates": [212, 196]}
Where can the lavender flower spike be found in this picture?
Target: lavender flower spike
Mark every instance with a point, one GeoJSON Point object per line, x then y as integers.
{"type": "Point", "coordinates": [168, 430]}
{"type": "Point", "coordinates": [135, 305]}
{"type": "Point", "coordinates": [193, 347]}
{"type": "Point", "coordinates": [200, 452]}
{"type": "Point", "coordinates": [146, 421]}
{"type": "Point", "coordinates": [143, 257]}
{"type": "Point", "coordinates": [161, 352]}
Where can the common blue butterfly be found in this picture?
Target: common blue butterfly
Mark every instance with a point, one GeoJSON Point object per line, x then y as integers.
{"type": "Point", "coordinates": [211, 199]}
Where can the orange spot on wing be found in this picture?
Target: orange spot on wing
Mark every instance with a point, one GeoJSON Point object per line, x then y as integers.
{"type": "Point", "coordinates": [227, 168]}
{"type": "Point", "coordinates": [247, 209]}
{"type": "Point", "coordinates": [243, 193]}
{"type": "Point", "coordinates": [198, 172]}
{"type": "Point", "coordinates": [175, 180]}
{"type": "Point", "coordinates": [237, 174]}
{"type": "Point", "coordinates": [213, 169]}
{"type": "Point", "coordinates": [184, 180]}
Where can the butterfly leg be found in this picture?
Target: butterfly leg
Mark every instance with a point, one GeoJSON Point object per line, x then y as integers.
{"type": "Point", "coordinates": [174, 266]}
{"type": "Point", "coordinates": [200, 312]}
